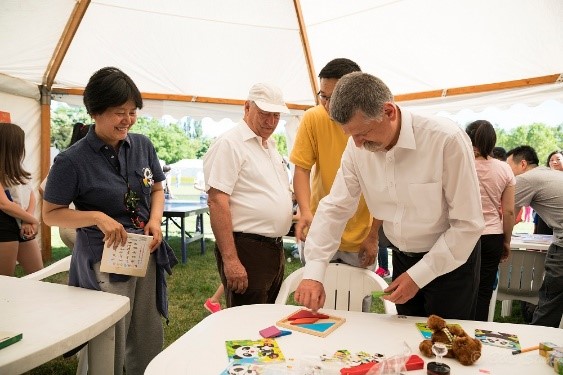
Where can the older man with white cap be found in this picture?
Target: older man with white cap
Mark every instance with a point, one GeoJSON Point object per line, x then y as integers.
{"type": "Point", "coordinates": [250, 201]}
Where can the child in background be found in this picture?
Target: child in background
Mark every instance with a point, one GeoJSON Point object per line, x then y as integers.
{"type": "Point", "coordinates": [16, 244]}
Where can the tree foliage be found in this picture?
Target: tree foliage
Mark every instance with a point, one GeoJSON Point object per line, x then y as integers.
{"type": "Point", "coordinates": [62, 121]}
{"type": "Point", "coordinates": [174, 141]}
{"type": "Point", "coordinates": [542, 138]}
{"type": "Point", "coordinates": [171, 141]}
{"type": "Point", "coordinates": [281, 143]}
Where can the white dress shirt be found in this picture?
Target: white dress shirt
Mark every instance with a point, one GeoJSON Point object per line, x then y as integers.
{"type": "Point", "coordinates": [425, 189]}
{"type": "Point", "coordinates": [255, 177]}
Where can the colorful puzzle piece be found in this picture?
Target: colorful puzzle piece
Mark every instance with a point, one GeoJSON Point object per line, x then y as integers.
{"type": "Point", "coordinates": [304, 320]}
{"type": "Point", "coordinates": [319, 327]}
{"type": "Point", "coordinates": [306, 314]}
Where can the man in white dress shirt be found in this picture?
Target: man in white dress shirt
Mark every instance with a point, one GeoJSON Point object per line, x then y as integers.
{"type": "Point", "coordinates": [418, 178]}
{"type": "Point", "coordinates": [249, 201]}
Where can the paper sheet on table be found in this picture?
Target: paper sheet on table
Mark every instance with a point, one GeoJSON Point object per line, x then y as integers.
{"type": "Point", "coordinates": [131, 259]}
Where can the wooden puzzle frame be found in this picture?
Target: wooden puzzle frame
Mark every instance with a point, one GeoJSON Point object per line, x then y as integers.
{"type": "Point", "coordinates": [337, 322]}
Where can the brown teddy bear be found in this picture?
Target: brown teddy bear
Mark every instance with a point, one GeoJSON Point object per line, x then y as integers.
{"type": "Point", "coordinates": [461, 346]}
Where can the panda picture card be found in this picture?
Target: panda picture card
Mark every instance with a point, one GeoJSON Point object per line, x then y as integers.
{"type": "Point", "coordinates": [500, 339]}
{"type": "Point", "coordinates": [242, 368]}
{"type": "Point", "coordinates": [264, 350]}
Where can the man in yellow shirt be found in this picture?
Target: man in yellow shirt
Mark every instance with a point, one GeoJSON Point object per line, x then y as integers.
{"type": "Point", "coordinates": [317, 151]}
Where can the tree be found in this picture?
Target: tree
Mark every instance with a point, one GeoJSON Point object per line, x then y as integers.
{"type": "Point", "coordinates": [281, 143]}
{"type": "Point", "coordinates": [204, 146]}
{"type": "Point", "coordinates": [170, 141]}
{"type": "Point", "coordinates": [62, 120]}
{"type": "Point", "coordinates": [542, 138]}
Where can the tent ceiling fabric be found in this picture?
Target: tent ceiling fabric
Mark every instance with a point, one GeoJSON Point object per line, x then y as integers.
{"type": "Point", "coordinates": [220, 48]}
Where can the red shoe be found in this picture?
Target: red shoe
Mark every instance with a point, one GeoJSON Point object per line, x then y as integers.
{"type": "Point", "coordinates": [211, 306]}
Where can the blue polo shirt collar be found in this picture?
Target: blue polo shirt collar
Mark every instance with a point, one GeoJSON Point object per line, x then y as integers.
{"type": "Point", "coordinates": [97, 144]}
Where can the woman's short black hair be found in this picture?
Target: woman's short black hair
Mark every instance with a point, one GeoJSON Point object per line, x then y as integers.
{"type": "Point", "coordinates": [524, 153]}
{"type": "Point", "coordinates": [110, 87]}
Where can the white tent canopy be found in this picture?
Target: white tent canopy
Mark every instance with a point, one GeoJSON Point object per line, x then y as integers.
{"type": "Point", "coordinates": [219, 48]}
{"type": "Point", "coordinates": [199, 58]}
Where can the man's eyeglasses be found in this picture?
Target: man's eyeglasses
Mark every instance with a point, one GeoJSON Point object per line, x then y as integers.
{"type": "Point", "coordinates": [131, 203]}
{"type": "Point", "coordinates": [323, 98]}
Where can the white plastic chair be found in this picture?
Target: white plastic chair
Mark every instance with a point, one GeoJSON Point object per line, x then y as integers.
{"type": "Point", "coordinates": [59, 266]}
{"type": "Point", "coordinates": [520, 278]}
{"type": "Point", "coordinates": [493, 302]}
{"type": "Point", "coordinates": [345, 287]}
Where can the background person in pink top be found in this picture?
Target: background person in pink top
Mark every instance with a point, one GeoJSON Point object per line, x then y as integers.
{"type": "Point", "coordinates": [496, 183]}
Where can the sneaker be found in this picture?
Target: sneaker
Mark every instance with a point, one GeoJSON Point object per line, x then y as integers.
{"type": "Point", "coordinates": [211, 306]}
{"type": "Point", "coordinates": [382, 272]}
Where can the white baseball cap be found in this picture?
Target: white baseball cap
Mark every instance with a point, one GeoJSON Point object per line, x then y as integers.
{"type": "Point", "coordinates": [268, 98]}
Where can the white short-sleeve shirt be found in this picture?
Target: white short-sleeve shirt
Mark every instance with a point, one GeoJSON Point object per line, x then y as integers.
{"type": "Point", "coordinates": [255, 177]}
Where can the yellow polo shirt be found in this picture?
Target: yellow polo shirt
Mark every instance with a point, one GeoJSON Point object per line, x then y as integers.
{"type": "Point", "coordinates": [320, 142]}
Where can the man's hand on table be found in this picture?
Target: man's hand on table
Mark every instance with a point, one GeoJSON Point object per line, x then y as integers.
{"type": "Point", "coordinates": [311, 294]}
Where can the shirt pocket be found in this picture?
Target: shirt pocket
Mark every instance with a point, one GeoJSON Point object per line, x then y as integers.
{"type": "Point", "coordinates": [426, 199]}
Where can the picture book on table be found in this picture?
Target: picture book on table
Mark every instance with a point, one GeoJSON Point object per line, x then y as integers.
{"type": "Point", "coordinates": [500, 339]}
{"type": "Point", "coordinates": [254, 351]}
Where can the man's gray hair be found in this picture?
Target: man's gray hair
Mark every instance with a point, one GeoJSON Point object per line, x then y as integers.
{"type": "Point", "coordinates": [358, 91]}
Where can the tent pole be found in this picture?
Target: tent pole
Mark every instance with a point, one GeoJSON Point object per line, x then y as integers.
{"type": "Point", "coordinates": [64, 42]}
{"type": "Point", "coordinates": [526, 82]}
{"type": "Point", "coordinates": [45, 163]}
{"type": "Point", "coordinates": [179, 98]}
{"type": "Point", "coordinates": [306, 49]}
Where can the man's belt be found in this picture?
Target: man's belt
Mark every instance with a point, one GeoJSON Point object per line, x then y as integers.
{"type": "Point", "coordinates": [411, 255]}
{"type": "Point", "coordinates": [258, 237]}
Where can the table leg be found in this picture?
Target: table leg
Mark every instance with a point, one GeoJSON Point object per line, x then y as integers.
{"type": "Point", "coordinates": [199, 228]}
{"type": "Point", "coordinates": [183, 239]}
{"type": "Point", "coordinates": [101, 353]}
{"type": "Point", "coordinates": [166, 230]}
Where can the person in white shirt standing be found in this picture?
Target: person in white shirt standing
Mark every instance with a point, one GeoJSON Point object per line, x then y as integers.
{"type": "Point", "coordinates": [417, 175]}
{"type": "Point", "coordinates": [249, 201]}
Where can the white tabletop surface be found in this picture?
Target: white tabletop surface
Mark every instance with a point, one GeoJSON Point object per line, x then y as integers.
{"type": "Point", "coordinates": [202, 349]}
{"type": "Point", "coordinates": [53, 318]}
